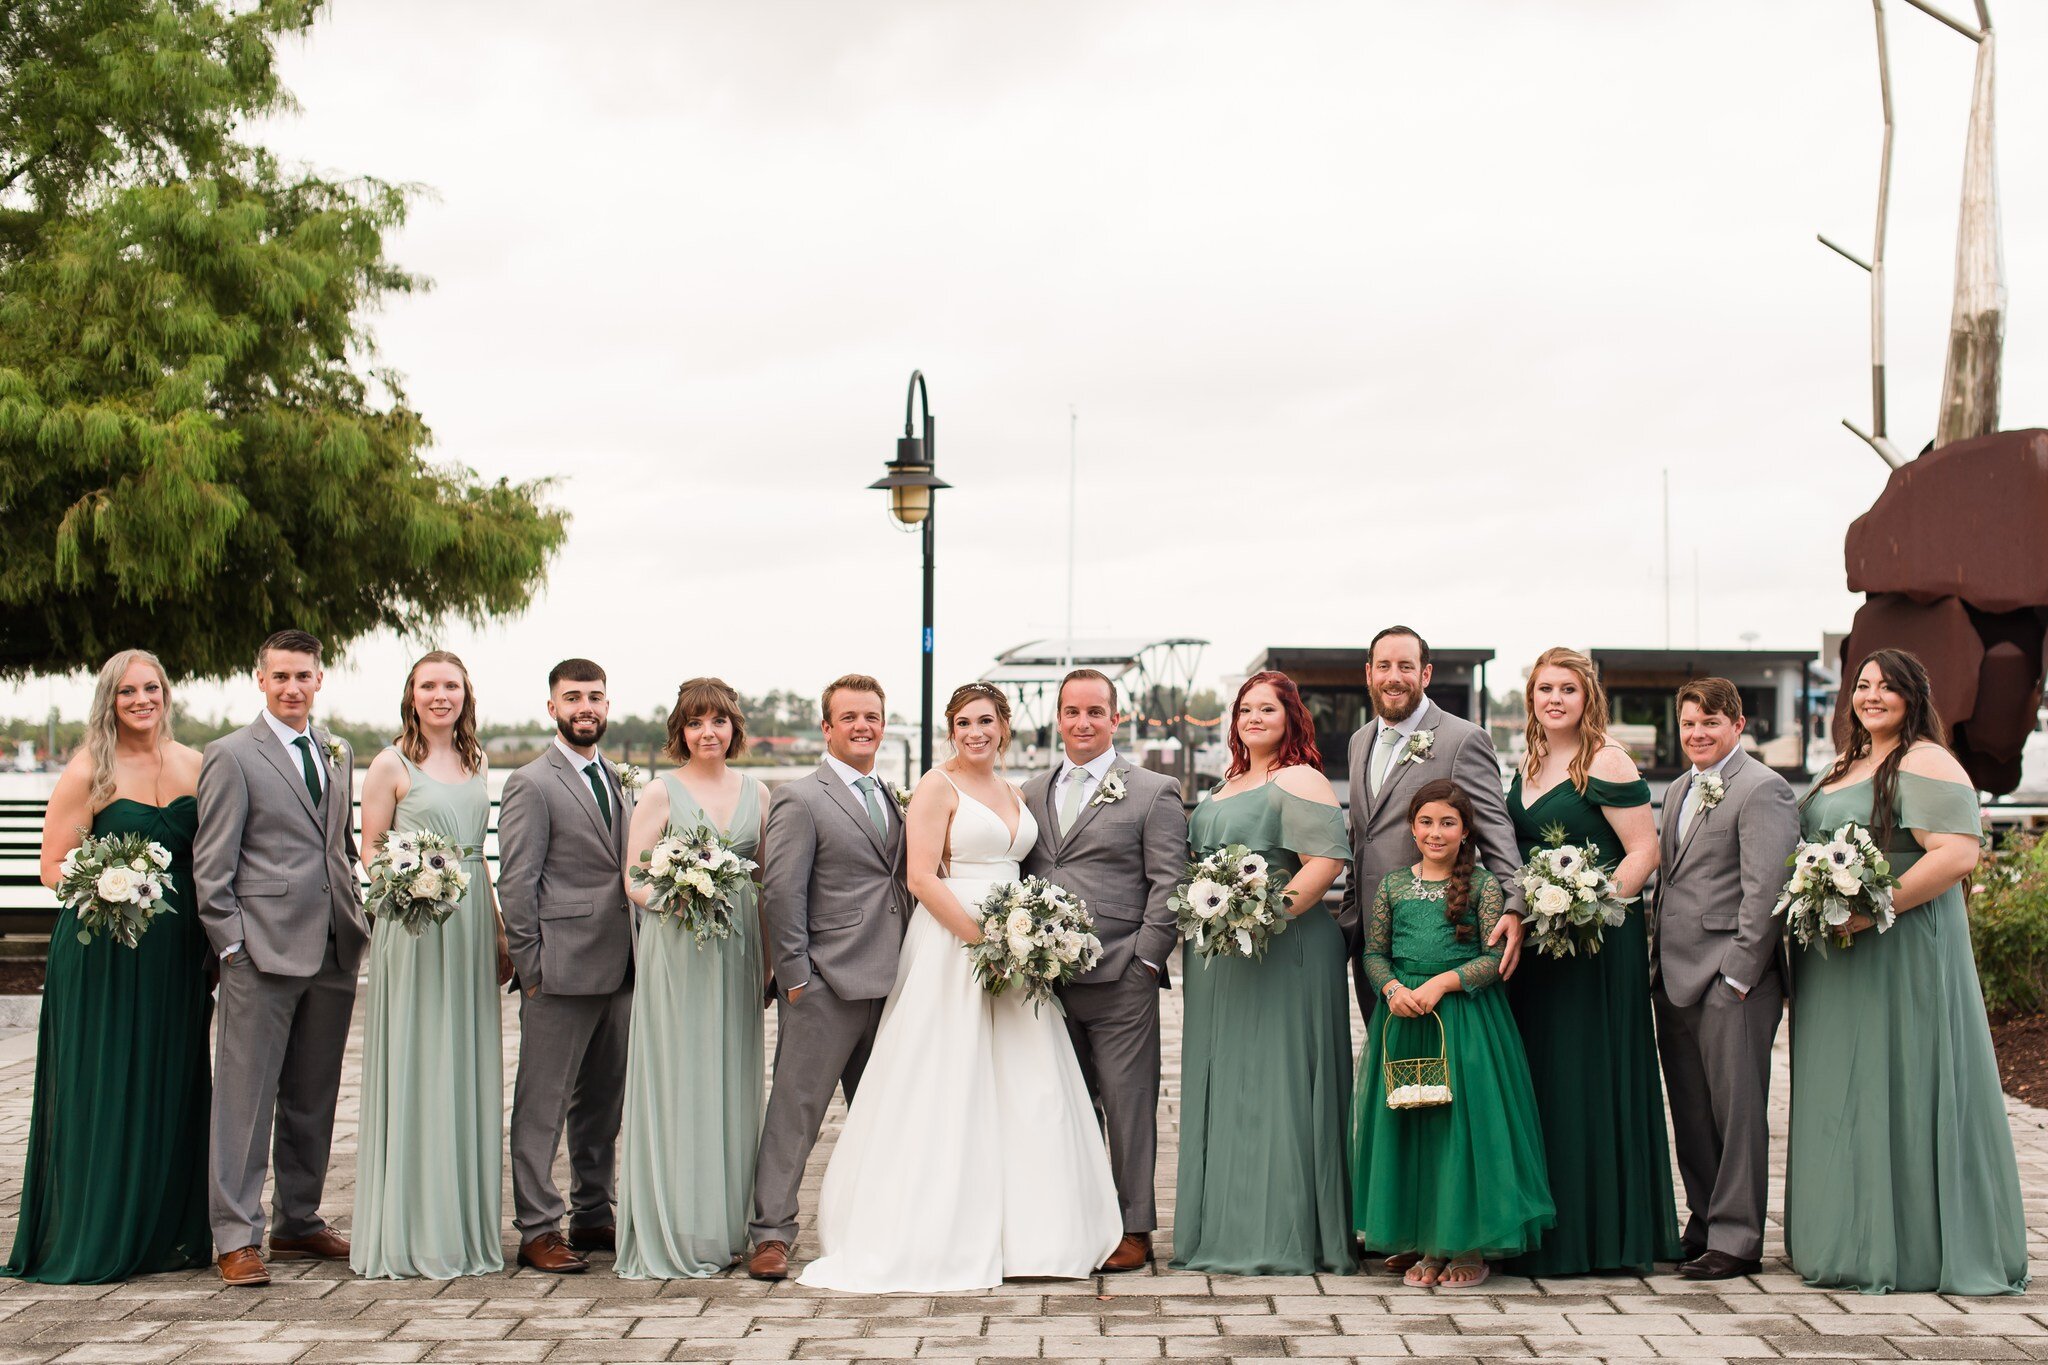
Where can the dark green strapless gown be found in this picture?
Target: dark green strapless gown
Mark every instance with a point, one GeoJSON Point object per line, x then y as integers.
{"type": "Point", "coordinates": [1899, 1169]}
{"type": "Point", "coordinates": [1265, 1183]}
{"type": "Point", "coordinates": [1592, 1046]}
{"type": "Point", "coordinates": [1466, 1177]}
{"type": "Point", "coordinates": [116, 1178]}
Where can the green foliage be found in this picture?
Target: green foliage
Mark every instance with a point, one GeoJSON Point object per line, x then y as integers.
{"type": "Point", "coordinates": [194, 449]}
{"type": "Point", "coordinates": [2009, 926]}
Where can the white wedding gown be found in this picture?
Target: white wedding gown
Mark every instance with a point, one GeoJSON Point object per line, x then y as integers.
{"type": "Point", "coordinates": [971, 1152]}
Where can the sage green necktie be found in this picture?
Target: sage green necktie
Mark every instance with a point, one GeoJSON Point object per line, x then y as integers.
{"type": "Point", "coordinates": [867, 796]}
{"type": "Point", "coordinates": [597, 789]}
{"type": "Point", "coordinates": [305, 747]}
{"type": "Point", "coordinates": [1383, 761]}
{"type": "Point", "coordinates": [1070, 802]}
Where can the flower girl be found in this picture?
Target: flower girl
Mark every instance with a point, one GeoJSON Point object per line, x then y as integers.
{"type": "Point", "coordinates": [1446, 1150]}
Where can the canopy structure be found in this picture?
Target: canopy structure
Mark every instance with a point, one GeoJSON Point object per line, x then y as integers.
{"type": "Point", "coordinates": [1149, 673]}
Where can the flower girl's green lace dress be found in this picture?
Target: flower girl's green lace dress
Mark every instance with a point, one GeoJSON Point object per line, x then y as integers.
{"type": "Point", "coordinates": [1461, 1178]}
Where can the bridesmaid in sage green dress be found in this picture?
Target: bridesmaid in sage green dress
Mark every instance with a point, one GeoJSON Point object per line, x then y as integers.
{"type": "Point", "coordinates": [694, 1066]}
{"type": "Point", "coordinates": [1265, 1183]}
{"type": "Point", "coordinates": [1586, 1022]}
{"type": "Point", "coordinates": [429, 1162]}
{"type": "Point", "coordinates": [115, 1182]}
{"type": "Point", "coordinates": [1900, 1172]}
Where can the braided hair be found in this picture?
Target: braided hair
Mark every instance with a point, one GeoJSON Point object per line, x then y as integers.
{"type": "Point", "coordinates": [1458, 897]}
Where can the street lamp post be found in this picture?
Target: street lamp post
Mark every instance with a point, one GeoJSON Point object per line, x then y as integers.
{"type": "Point", "coordinates": [912, 489]}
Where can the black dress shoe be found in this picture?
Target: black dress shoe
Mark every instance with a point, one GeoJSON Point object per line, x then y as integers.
{"type": "Point", "coordinates": [1718, 1265]}
{"type": "Point", "coordinates": [1690, 1251]}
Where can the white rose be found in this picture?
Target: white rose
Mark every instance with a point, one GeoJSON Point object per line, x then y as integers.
{"type": "Point", "coordinates": [139, 864]}
{"type": "Point", "coordinates": [427, 886]}
{"type": "Point", "coordinates": [699, 881]}
{"type": "Point", "coordinates": [160, 855]}
{"type": "Point", "coordinates": [116, 884]}
{"type": "Point", "coordinates": [1551, 899]}
{"type": "Point", "coordinates": [1846, 882]}
{"type": "Point", "coordinates": [1019, 926]}
{"type": "Point", "coordinates": [658, 862]}
{"type": "Point", "coordinates": [1588, 878]}
{"type": "Point", "coordinates": [1020, 947]}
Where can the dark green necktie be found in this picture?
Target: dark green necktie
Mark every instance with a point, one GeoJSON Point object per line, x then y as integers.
{"type": "Point", "coordinates": [305, 747]}
{"type": "Point", "coordinates": [604, 798]}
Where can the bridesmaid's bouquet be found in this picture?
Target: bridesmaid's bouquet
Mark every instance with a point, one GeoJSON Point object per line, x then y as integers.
{"type": "Point", "coordinates": [1227, 905]}
{"type": "Point", "coordinates": [1570, 898]}
{"type": "Point", "coordinates": [1034, 935]}
{"type": "Point", "coordinates": [694, 878]}
{"type": "Point", "coordinates": [1832, 879]}
{"type": "Point", "coordinates": [116, 883]}
{"type": "Point", "coordinates": [416, 879]}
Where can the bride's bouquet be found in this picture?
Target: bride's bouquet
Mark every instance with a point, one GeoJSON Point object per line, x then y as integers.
{"type": "Point", "coordinates": [116, 883]}
{"type": "Point", "coordinates": [694, 878]}
{"type": "Point", "coordinates": [1227, 905]}
{"type": "Point", "coordinates": [1832, 879]}
{"type": "Point", "coordinates": [1570, 897]}
{"type": "Point", "coordinates": [416, 879]}
{"type": "Point", "coordinates": [1034, 935]}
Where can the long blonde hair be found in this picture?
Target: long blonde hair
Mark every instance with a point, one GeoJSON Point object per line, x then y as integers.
{"type": "Point", "coordinates": [103, 725]}
{"type": "Point", "coordinates": [1592, 722]}
{"type": "Point", "coordinates": [412, 738]}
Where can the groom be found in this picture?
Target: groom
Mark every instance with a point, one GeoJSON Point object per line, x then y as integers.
{"type": "Point", "coordinates": [274, 862]}
{"type": "Point", "coordinates": [1411, 740]}
{"type": "Point", "coordinates": [834, 909]}
{"type": "Point", "coordinates": [1116, 836]}
{"type": "Point", "coordinates": [1730, 824]}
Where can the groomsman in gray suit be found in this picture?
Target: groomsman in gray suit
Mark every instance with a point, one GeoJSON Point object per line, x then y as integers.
{"type": "Point", "coordinates": [562, 891]}
{"type": "Point", "coordinates": [834, 909]}
{"type": "Point", "coordinates": [1409, 741]}
{"type": "Point", "coordinates": [1729, 825]}
{"type": "Point", "coordinates": [1117, 837]}
{"type": "Point", "coordinates": [274, 861]}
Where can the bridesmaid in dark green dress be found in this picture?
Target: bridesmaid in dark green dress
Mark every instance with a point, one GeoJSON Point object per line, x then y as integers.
{"type": "Point", "coordinates": [115, 1183]}
{"type": "Point", "coordinates": [1586, 1021]}
{"type": "Point", "coordinates": [694, 1066]}
{"type": "Point", "coordinates": [1900, 1173]}
{"type": "Point", "coordinates": [1265, 1185]}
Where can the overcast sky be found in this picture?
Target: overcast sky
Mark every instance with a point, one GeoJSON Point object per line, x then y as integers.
{"type": "Point", "coordinates": [1370, 311]}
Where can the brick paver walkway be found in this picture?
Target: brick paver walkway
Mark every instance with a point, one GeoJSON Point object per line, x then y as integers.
{"type": "Point", "coordinates": [321, 1313]}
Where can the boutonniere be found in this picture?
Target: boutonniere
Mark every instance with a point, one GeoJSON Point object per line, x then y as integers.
{"type": "Point", "coordinates": [631, 778]}
{"type": "Point", "coordinates": [1712, 789]}
{"type": "Point", "coordinates": [899, 796]}
{"type": "Point", "coordinates": [332, 748]}
{"type": "Point", "coordinates": [1111, 791]}
{"type": "Point", "coordinates": [1418, 746]}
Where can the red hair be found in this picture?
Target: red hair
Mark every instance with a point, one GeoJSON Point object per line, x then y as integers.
{"type": "Point", "coordinates": [1300, 745]}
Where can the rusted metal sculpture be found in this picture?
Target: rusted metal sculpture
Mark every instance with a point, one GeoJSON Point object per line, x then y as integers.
{"type": "Point", "coordinates": [1953, 557]}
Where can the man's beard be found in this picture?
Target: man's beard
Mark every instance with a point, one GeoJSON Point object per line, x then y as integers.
{"type": "Point", "coordinates": [1397, 711]}
{"type": "Point", "coordinates": [568, 729]}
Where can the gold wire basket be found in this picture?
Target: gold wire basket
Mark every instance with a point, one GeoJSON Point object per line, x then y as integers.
{"type": "Point", "coordinates": [1417, 1082]}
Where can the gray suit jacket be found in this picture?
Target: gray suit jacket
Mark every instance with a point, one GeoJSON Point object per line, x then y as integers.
{"type": "Point", "coordinates": [833, 902]}
{"type": "Point", "coordinates": [1380, 841]}
{"type": "Point", "coordinates": [275, 872]}
{"type": "Point", "coordinates": [1716, 888]}
{"type": "Point", "coordinates": [561, 879]}
{"type": "Point", "coordinates": [1123, 859]}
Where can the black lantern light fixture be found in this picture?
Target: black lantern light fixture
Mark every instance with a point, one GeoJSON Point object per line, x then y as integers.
{"type": "Point", "coordinates": [912, 490]}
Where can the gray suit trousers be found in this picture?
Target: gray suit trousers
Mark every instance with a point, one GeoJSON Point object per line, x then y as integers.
{"type": "Point", "coordinates": [1115, 1028]}
{"type": "Point", "coordinates": [276, 1071]}
{"type": "Point", "coordinates": [572, 1073]}
{"type": "Point", "coordinates": [1717, 1074]}
{"type": "Point", "coordinates": [820, 1041]}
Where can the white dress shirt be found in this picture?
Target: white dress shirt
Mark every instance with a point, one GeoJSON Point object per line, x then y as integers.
{"type": "Point", "coordinates": [1405, 728]}
{"type": "Point", "coordinates": [1691, 792]}
{"type": "Point", "coordinates": [853, 777]}
{"type": "Point", "coordinates": [577, 760]}
{"type": "Point", "coordinates": [290, 738]}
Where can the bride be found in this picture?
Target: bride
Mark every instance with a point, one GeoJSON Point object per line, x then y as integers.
{"type": "Point", "coordinates": [971, 1152]}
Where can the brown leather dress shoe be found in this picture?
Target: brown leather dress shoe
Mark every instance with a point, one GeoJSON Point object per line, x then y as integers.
{"type": "Point", "coordinates": [594, 1239]}
{"type": "Point", "coordinates": [550, 1253]}
{"type": "Point", "coordinates": [323, 1245]}
{"type": "Point", "coordinates": [769, 1261]}
{"type": "Point", "coordinates": [1131, 1253]}
{"type": "Point", "coordinates": [242, 1268]}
